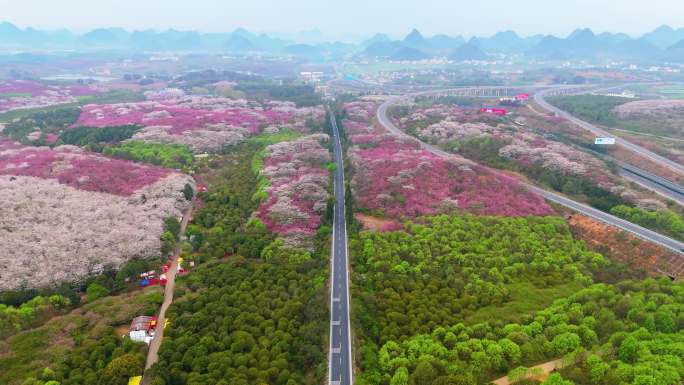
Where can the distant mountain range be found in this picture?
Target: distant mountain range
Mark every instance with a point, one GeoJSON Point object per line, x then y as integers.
{"type": "Point", "coordinates": [662, 44]}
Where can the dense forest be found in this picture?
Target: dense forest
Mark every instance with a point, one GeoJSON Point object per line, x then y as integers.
{"type": "Point", "coordinates": [444, 270]}
{"type": "Point", "coordinates": [593, 108]}
{"type": "Point", "coordinates": [248, 321]}
{"type": "Point", "coordinates": [252, 314]}
{"type": "Point", "coordinates": [605, 334]}
{"type": "Point", "coordinates": [35, 128]}
{"type": "Point", "coordinates": [175, 156]}
{"type": "Point", "coordinates": [94, 138]}
{"type": "Point", "coordinates": [221, 226]}
{"type": "Point", "coordinates": [301, 95]}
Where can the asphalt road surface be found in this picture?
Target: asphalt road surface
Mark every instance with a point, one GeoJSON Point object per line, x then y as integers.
{"type": "Point", "coordinates": [653, 182]}
{"type": "Point", "coordinates": [622, 224]}
{"type": "Point", "coordinates": [539, 98]}
{"type": "Point", "coordinates": [339, 355]}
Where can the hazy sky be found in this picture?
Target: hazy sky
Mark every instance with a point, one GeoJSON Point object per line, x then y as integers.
{"type": "Point", "coordinates": [351, 17]}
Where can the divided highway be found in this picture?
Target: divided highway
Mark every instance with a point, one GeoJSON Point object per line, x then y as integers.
{"type": "Point", "coordinates": [539, 99]}
{"type": "Point", "coordinates": [622, 224]}
{"type": "Point", "coordinates": [653, 182]}
{"type": "Point", "coordinates": [339, 354]}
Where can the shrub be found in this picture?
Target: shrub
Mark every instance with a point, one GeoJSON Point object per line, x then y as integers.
{"type": "Point", "coordinates": [95, 291]}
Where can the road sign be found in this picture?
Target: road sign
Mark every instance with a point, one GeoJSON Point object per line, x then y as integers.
{"type": "Point", "coordinates": [604, 141]}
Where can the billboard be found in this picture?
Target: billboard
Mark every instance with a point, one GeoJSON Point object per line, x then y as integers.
{"type": "Point", "coordinates": [604, 141]}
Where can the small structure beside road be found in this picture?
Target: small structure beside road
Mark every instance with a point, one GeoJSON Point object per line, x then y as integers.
{"type": "Point", "coordinates": [142, 329]}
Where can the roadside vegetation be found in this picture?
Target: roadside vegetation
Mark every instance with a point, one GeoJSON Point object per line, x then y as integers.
{"type": "Point", "coordinates": [656, 117]}
{"type": "Point", "coordinates": [593, 108]}
{"type": "Point", "coordinates": [663, 221]}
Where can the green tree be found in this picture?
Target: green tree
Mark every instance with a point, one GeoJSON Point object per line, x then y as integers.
{"type": "Point", "coordinates": [120, 369]}
{"type": "Point", "coordinates": [597, 368]}
{"type": "Point", "coordinates": [628, 350]}
{"type": "Point", "coordinates": [95, 291]}
{"type": "Point", "coordinates": [188, 192]}
{"type": "Point", "coordinates": [556, 379]}
{"type": "Point", "coordinates": [400, 377]}
{"type": "Point", "coordinates": [423, 374]}
{"type": "Point", "coordinates": [168, 242]}
{"type": "Point", "coordinates": [565, 343]}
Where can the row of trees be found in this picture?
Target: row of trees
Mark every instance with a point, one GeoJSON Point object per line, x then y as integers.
{"type": "Point", "coordinates": [663, 221]}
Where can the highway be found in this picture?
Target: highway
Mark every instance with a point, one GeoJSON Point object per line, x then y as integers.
{"type": "Point", "coordinates": [609, 219]}
{"type": "Point", "coordinates": [653, 182]}
{"type": "Point", "coordinates": [539, 99]}
{"type": "Point", "coordinates": [339, 354]}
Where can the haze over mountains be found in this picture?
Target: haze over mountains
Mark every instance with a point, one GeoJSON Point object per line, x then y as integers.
{"type": "Point", "coordinates": [662, 44]}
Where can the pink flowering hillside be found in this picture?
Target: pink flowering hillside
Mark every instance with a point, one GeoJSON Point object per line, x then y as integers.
{"type": "Point", "coordinates": [298, 191]}
{"type": "Point", "coordinates": [395, 176]}
{"type": "Point", "coordinates": [202, 123]}
{"type": "Point", "coordinates": [18, 94]}
{"type": "Point", "coordinates": [442, 124]}
{"type": "Point", "coordinates": [521, 145]}
{"type": "Point", "coordinates": [66, 213]}
{"type": "Point", "coordinates": [72, 166]}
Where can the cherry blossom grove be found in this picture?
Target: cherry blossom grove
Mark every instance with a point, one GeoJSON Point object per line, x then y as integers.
{"type": "Point", "coordinates": [68, 213]}
{"type": "Point", "coordinates": [298, 191]}
{"type": "Point", "coordinates": [205, 124]}
{"type": "Point", "coordinates": [73, 166]}
{"type": "Point", "coordinates": [650, 108]}
{"type": "Point", "coordinates": [22, 94]}
{"type": "Point", "coordinates": [523, 145]}
{"type": "Point", "coordinates": [396, 177]}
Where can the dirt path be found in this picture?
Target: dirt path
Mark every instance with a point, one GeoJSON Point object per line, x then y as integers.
{"type": "Point", "coordinates": [153, 352]}
{"type": "Point", "coordinates": [546, 369]}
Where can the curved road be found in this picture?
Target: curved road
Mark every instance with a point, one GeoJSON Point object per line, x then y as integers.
{"type": "Point", "coordinates": [622, 224]}
{"type": "Point", "coordinates": [539, 99]}
{"type": "Point", "coordinates": [339, 353]}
